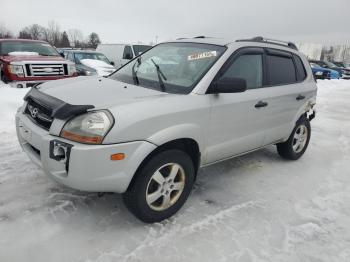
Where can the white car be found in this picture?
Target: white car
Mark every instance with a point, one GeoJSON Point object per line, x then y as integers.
{"type": "Point", "coordinates": [145, 130]}
{"type": "Point", "coordinates": [121, 54]}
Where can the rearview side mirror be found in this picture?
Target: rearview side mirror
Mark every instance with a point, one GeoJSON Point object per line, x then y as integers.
{"type": "Point", "coordinates": [228, 85]}
{"type": "Point", "coordinates": [112, 63]}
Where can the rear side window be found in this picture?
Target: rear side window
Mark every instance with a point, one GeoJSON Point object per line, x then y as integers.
{"type": "Point", "coordinates": [248, 67]}
{"type": "Point", "coordinates": [281, 70]}
{"type": "Point", "coordinates": [301, 72]}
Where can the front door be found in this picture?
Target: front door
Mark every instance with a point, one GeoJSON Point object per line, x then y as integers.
{"type": "Point", "coordinates": [237, 122]}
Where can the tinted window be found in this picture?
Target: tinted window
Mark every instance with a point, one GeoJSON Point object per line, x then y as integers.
{"type": "Point", "coordinates": [127, 52]}
{"type": "Point", "coordinates": [248, 67]}
{"type": "Point", "coordinates": [281, 70]}
{"type": "Point", "coordinates": [301, 72]}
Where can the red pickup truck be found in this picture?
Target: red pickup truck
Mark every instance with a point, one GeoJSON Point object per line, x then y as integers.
{"type": "Point", "coordinates": [25, 63]}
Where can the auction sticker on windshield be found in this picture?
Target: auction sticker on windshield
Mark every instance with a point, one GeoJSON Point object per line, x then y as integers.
{"type": "Point", "coordinates": [201, 55]}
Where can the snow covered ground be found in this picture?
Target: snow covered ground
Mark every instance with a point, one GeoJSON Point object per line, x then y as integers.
{"type": "Point", "coordinates": [256, 207]}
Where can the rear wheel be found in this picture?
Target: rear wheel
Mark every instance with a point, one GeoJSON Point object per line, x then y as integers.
{"type": "Point", "coordinates": [298, 141]}
{"type": "Point", "coordinates": [161, 186]}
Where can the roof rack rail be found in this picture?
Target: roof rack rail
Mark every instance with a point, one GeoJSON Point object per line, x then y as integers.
{"type": "Point", "coordinates": [261, 39]}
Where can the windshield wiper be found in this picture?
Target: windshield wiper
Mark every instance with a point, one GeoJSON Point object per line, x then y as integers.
{"type": "Point", "coordinates": [134, 72]}
{"type": "Point", "coordinates": [160, 75]}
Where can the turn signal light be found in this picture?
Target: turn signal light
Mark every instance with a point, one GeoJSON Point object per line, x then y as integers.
{"type": "Point", "coordinates": [119, 156]}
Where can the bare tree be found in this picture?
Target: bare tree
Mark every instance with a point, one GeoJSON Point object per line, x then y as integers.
{"type": "Point", "coordinates": [75, 37]}
{"type": "Point", "coordinates": [54, 34]}
{"type": "Point", "coordinates": [4, 32]}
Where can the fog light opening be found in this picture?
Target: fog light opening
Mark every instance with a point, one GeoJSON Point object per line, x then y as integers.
{"type": "Point", "coordinates": [59, 152]}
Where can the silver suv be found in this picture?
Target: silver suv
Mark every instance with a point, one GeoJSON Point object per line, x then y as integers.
{"type": "Point", "coordinates": [146, 129]}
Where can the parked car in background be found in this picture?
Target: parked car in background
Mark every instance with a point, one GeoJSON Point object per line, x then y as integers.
{"type": "Point", "coordinates": [24, 63]}
{"type": "Point", "coordinates": [145, 132]}
{"type": "Point", "coordinates": [323, 73]}
{"type": "Point", "coordinates": [90, 62]}
{"type": "Point", "coordinates": [344, 73]}
{"type": "Point", "coordinates": [61, 50]}
{"type": "Point", "coordinates": [342, 64]}
{"type": "Point", "coordinates": [120, 54]}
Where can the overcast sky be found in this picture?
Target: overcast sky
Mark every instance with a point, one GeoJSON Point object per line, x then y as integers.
{"type": "Point", "coordinates": [317, 21]}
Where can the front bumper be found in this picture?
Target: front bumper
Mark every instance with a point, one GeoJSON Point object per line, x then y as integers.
{"type": "Point", "coordinates": [87, 167]}
{"type": "Point", "coordinates": [24, 84]}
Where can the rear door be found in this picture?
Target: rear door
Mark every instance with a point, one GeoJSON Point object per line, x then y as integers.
{"type": "Point", "coordinates": [285, 93]}
{"type": "Point", "coordinates": [237, 124]}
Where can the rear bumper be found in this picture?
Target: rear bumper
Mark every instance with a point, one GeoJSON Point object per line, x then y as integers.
{"type": "Point", "coordinates": [87, 167]}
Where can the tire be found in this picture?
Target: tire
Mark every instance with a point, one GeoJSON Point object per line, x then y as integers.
{"type": "Point", "coordinates": [149, 209]}
{"type": "Point", "coordinates": [293, 148]}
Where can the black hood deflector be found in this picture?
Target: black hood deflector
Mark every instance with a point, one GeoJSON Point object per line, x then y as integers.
{"type": "Point", "coordinates": [58, 108]}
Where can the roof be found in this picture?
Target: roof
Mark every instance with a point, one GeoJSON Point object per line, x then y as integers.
{"type": "Point", "coordinates": [261, 41]}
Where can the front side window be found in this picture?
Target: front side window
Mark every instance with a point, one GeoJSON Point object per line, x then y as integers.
{"type": "Point", "coordinates": [170, 67]}
{"type": "Point", "coordinates": [43, 49]}
{"type": "Point", "coordinates": [281, 70]}
{"type": "Point", "coordinates": [248, 67]}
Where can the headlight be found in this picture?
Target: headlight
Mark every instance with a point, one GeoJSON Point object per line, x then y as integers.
{"type": "Point", "coordinates": [71, 69]}
{"type": "Point", "coordinates": [16, 70]}
{"type": "Point", "coordinates": [88, 128]}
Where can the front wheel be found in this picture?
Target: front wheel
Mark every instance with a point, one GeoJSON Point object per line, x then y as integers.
{"type": "Point", "coordinates": [297, 142]}
{"type": "Point", "coordinates": [161, 186]}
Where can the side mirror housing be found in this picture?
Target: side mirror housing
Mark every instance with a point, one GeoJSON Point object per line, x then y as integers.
{"type": "Point", "coordinates": [228, 85]}
{"type": "Point", "coordinates": [112, 63]}
{"type": "Point", "coordinates": [62, 54]}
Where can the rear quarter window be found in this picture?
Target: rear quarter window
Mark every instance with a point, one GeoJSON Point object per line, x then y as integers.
{"type": "Point", "coordinates": [281, 70]}
{"type": "Point", "coordinates": [301, 71]}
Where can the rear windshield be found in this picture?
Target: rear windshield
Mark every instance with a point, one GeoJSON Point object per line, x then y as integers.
{"type": "Point", "coordinates": [44, 49]}
{"type": "Point", "coordinates": [94, 56]}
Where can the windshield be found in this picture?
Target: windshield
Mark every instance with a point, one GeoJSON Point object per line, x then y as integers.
{"type": "Point", "coordinates": [44, 49]}
{"type": "Point", "coordinates": [93, 56]}
{"type": "Point", "coordinates": [139, 49]}
{"type": "Point", "coordinates": [170, 67]}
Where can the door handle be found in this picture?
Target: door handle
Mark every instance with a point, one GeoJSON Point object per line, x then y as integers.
{"type": "Point", "coordinates": [300, 97]}
{"type": "Point", "coordinates": [261, 104]}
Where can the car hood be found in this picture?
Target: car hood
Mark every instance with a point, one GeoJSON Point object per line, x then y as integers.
{"type": "Point", "coordinates": [97, 91]}
{"type": "Point", "coordinates": [20, 58]}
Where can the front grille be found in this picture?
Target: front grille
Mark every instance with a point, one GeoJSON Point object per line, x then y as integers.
{"type": "Point", "coordinates": [46, 69]}
{"type": "Point", "coordinates": [39, 114]}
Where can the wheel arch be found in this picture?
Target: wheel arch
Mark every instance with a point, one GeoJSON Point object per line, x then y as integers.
{"type": "Point", "coordinates": [187, 145]}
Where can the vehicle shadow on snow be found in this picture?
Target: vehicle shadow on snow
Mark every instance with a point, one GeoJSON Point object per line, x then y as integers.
{"type": "Point", "coordinates": [108, 209]}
